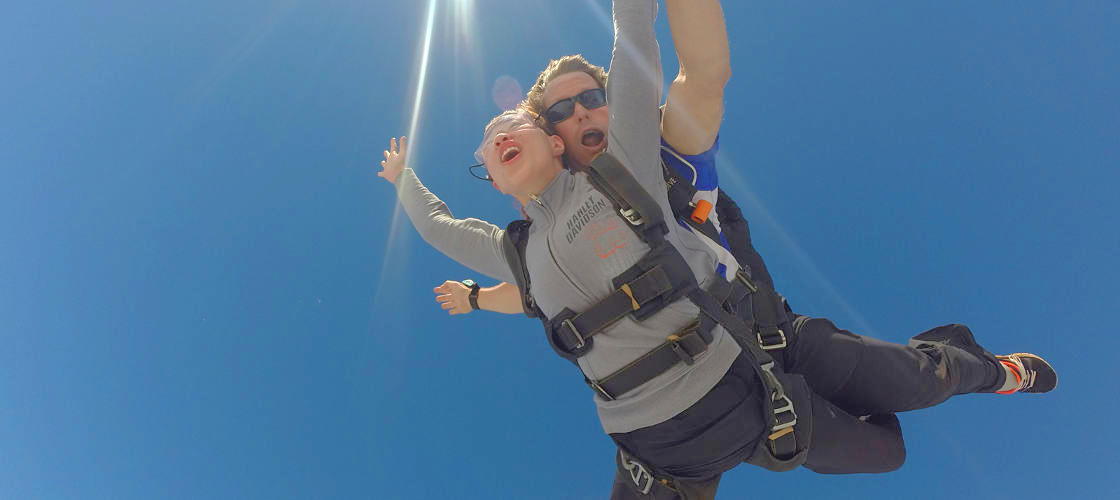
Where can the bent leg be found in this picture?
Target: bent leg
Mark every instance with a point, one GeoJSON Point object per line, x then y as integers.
{"type": "Point", "coordinates": [863, 375]}
{"type": "Point", "coordinates": [843, 444]}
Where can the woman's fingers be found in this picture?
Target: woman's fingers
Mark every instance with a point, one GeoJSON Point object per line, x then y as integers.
{"type": "Point", "coordinates": [447, 305]}
{"type": "Point", "coordinates": [403, 138]}
{"type": "Point", "coordinates": [444, 298]}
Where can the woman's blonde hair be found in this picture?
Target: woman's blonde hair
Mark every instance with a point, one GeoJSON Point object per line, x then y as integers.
{"type": "Point", "coordinates": [534, 100]}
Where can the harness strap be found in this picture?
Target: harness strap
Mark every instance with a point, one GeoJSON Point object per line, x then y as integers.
{"type": "Point", "coordinates": [769, 314]}
{"type": "Point", "coordinates": [781, 442]}
{"type": "Point", "coordinates": [684, 346]}
{"type": "Point", "coordinates": [513, 246]}
{"type": "Point", "coordinates": [610, 177]}
{"type": "Point", "coordinates": [681, 192]}
{"type": "Point", "coordinates": [571, 331]}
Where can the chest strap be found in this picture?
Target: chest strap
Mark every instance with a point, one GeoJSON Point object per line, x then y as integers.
{"type": "Point", "coordinates": [682, 347]}
{"type": "Point", "coordinates": [658, 279]}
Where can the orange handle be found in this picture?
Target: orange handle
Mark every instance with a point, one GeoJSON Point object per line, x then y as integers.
{"type": "Point", "coordinates": [700, 213]}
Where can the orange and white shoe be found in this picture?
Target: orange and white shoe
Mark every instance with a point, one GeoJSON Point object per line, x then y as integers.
{"type": "Point", "coordinates": [1032, 373]}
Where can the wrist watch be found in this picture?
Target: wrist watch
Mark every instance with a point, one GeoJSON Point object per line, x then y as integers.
{"type": "Point", "coordinates": [474, 292]}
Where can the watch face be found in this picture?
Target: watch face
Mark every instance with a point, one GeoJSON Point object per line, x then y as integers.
{"type": "Point", "coordinates": [468, 283]}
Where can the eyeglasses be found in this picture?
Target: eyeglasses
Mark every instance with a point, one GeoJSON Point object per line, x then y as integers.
{"type": "Point", "coordinates": [473, 169]}
{"type": "Point", "coordinates": [505, 123]}
{"type": "Point", "coordinates": [563, 109]}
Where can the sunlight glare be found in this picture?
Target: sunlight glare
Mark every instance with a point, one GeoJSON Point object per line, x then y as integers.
{"type": "Point", "coordinates": [425, 50]}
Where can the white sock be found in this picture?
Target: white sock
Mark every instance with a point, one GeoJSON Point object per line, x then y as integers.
{"type": "Point", "coordinates": [1009, 382]}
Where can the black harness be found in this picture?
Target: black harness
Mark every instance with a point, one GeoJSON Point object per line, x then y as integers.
{"type": "Point", "coordinates": [751, 313]}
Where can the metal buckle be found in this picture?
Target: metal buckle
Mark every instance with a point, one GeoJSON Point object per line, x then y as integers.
{"type": "Point", "coordinates": [770, 347]}
{"type": "Point", "coordinates": [599, 389]}
{"type": "Point", "coordinates": [745, 280]}
{"type": "Point", "coordinates": [638, 473]}
{"type": "Point", "coordinates": [674, 344]}
{"type": "Point", "coordinates": [571, 326]}
{"type": "Point", "coordinates": [778, 410]}
{"type": "Point", "coordinates": [632, 216]}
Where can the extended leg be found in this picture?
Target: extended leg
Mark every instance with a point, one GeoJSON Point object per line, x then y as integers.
{"type": "Point", "coordinates": [863, 375]}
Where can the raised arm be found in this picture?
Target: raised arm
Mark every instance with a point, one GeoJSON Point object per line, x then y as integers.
{"type": "Point", "coordinates": [634, 92]}
{"type": "Point", "coordinates": [694, 107]}
{"type": "Point", "coordinates": [474, 243]}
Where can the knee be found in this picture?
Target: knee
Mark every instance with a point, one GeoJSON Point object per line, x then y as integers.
{"type": "Point", "coordinates": [894, 449]}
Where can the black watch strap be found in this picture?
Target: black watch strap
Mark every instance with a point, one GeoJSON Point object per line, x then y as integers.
{"type": "Point", "coordinates": [473, 297]}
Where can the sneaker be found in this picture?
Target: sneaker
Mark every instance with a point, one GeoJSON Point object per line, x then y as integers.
{"type": "Point", "coordinates": [1032, 373]}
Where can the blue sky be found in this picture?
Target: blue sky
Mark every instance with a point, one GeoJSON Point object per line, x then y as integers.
{"type": "Point", "coordinates": [206, 292]}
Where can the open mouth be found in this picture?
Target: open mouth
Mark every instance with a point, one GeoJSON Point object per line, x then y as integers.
{"type": "Point", "coordinates": [510, 154]}
{"type": "Point", "coordinates": [592, 138]}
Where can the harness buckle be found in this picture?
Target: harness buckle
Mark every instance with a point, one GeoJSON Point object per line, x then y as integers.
{"type": "Point", "coordinates": [769, 347]}
{"type": "Point", "coordinates": [674, 344]}
{"type": "Point", "coordinates": [599, 389]}
{"type": "Point", "coordinates": [632, 216]}
{"type": "Point", "coordinates": [571, 326]}
{"type": "Point", "coordinates": [638, 473]}
{"type": "Point", "coordinates": [787, 406]}
{"type": "Point", "coordinates": [746, 280]}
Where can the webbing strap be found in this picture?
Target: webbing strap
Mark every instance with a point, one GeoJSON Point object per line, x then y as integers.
{"type": "Point", "coordinates": [571, 331]}
{"type": "Point", "coordinates": [769, 313]}
{"type": "Point", "coordinates": [682, 347]}
{"type": "Point", "coordinates": [513, 246]}
{"type": "Point", "coordinates": [681, 192]}
{"type": "Point", "coordinates": [610, 177]}
{"type": "Point", "coordinates": [778, 408]}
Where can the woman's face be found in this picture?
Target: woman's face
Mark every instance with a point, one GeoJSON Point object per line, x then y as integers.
{"type": "Point", "coordinates": [520, 157]}
{"type": "Point", "coordinates": [585, 132]}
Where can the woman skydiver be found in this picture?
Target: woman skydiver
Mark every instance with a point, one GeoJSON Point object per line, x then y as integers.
{"type": "Point", "coordinates": [707, 403]}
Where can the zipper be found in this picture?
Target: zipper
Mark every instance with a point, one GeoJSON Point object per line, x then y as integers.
{"type": "Point", "coordinates": [548, 244]}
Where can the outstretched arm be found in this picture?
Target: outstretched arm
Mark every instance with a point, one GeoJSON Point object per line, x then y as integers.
{"type": "Point", "coordinates": [694, 107]}
{"type": "Point", "coordinates": [455, 298]}
{"type": "Point", "coordinates": [474, 243]}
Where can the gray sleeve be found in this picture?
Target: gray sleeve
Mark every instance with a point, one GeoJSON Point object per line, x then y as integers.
{"type": "Point", "coordinates": [634, 92]}
{"type": "Point", "coordinates": [474, 243]}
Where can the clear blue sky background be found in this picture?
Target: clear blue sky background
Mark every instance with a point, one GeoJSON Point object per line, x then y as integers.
{"type": "Point", "coordinates": [205, 293]}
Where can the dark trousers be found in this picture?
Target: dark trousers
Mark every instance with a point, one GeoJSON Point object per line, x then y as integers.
{"type": "Point", "coordinates": [848, 377]}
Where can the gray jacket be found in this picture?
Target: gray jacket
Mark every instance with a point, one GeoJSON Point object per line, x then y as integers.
{"type": "Point", "coordinates": [578, 243]}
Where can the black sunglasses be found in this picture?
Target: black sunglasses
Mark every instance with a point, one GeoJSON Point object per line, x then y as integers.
{"type": "Point", "coordinates": [563, 109]}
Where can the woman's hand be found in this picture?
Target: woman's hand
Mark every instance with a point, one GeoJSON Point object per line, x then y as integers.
{"type": "Point", "coordinates": [453, 295]}
{"type": "Point", "coordinates": [393, 163]}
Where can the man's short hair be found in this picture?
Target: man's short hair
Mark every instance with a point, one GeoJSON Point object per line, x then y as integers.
{"type": "Point", "coordinates": [534, 100]}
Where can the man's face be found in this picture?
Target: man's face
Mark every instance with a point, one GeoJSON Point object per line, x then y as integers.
{"type": "Point", "coordinates": [585, 132]}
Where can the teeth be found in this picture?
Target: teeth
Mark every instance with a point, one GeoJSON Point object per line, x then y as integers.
{"type": "Point", "coordinates": [510, 153]}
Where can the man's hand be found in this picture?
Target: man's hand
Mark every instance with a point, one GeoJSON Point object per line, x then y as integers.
{"type": "Point", "coordinates": [393, 163]}
{"type": "Point", "coordinates": [453, 296]}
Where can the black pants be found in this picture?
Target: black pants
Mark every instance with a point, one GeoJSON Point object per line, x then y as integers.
{"type": "Point", "coordinates": [848, 376]}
